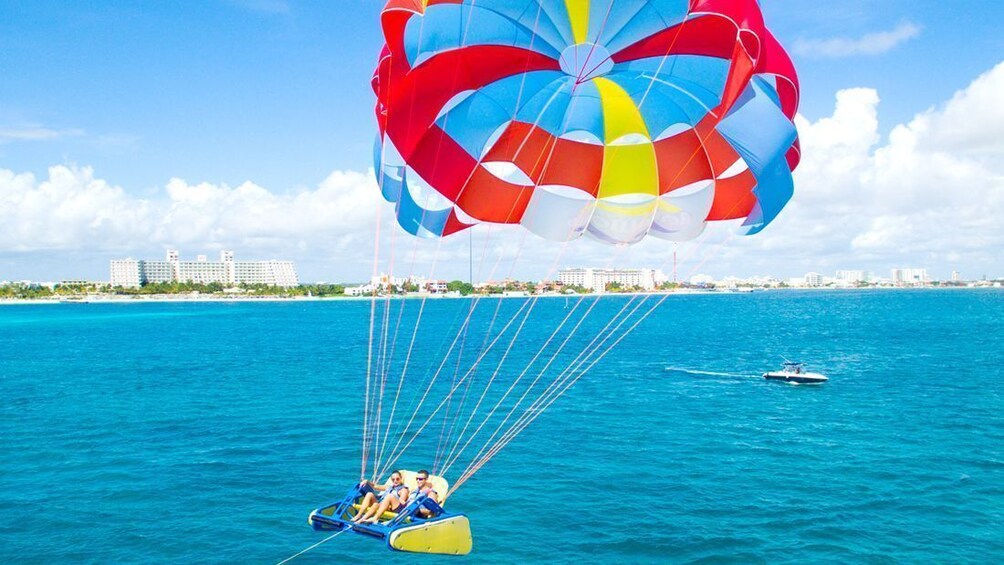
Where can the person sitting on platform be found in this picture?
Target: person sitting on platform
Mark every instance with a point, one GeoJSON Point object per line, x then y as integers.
{"type": "Point", "coordinates": [426, 488]}
{"type": "Point", "coordinates": [393, 498]}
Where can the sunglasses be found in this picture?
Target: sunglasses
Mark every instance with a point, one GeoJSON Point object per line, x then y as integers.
{"type": "Point", "coordinates": [419, 478]}
{"type": "Point", "coordinates": [396, 479]}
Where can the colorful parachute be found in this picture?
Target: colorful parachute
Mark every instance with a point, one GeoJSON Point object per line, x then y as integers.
{"type": "Point", "coordinates": [612, 118]}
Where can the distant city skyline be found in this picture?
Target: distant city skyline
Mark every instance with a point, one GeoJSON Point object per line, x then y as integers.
{"type": "Point", "coordinates": [654, 274]}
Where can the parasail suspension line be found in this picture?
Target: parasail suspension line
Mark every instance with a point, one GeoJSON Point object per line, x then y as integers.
{"type": "Point", "coordinates": [395, 452]}
{"type": "Point", "coordinates": [332, 536]}
{"type": "Point", "coordinates": [569, 377]}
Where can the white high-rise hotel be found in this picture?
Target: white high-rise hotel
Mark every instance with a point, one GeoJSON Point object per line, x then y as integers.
{"type": "Point", "coordinates": [598, 279]}
{"type": "Point", "coordinates": [910, 276]}
{"type": "Point", "coordinates": [133, 273]}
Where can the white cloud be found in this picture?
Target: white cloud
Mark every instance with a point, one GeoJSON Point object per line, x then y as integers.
{"type": "Point", "coordinates": [72, 211]}
{"type": "Point", "coordinates": [930, 195]}
{"type": "Point", "coordinates": [36, 133]}
{"type": "Point", "coordinates": [869, 44]}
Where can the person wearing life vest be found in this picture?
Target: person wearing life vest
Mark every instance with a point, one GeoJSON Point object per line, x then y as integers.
{"type": "Point", "coordinates": [424, 487]}
{"type": "Point", "coordinates": [393, 497]}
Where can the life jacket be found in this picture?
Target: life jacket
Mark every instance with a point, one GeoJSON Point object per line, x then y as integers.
{"type": "Point", "coordinates": [393, 490]}
{"type": "Point", "coordinates": [427, 491]}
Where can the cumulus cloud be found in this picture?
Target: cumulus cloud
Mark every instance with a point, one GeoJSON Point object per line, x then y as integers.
{"type": "Point", "coordinates": [74, 211]}
{"type": "Point", "coordinates": [930, 194]}
{"type": "Point", "coordinates": [868, 44]}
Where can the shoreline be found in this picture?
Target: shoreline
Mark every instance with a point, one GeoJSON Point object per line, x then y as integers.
{"type": "Point", "coordinates": [99, 299]}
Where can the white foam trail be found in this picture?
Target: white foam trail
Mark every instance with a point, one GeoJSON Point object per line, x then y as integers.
{"type": "Point", "coordinates": [699, 372]}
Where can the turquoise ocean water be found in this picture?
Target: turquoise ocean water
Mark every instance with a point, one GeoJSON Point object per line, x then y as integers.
{"type": "Point", "coordinates": [206, 432]}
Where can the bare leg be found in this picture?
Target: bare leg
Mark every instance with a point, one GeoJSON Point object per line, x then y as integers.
{"type": "Point", "coordinates": [387, 503]}
{"type": "Point", "coordinates": [368, 501]}
{"type": "Point", "coordinates": [375, 510]}
{"type": "Point", "coordinates": [365, 516]}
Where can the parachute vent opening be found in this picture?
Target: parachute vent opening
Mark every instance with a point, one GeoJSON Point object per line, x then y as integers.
{"type": "Point", "coordinates": [463, 217]}
{"type": "Point", "coordinates": [508, 172]}
{"type": "Point", "coordinates": [493, 138]}
{"type": "Point", "coordinates": [569, 192]}
{"type": "Point", "coordinates": [631, 139]}
{"type": "Point", "coordinates": [734, 169]}
{"type": "Point", "coordinates": [453, 103]}
{"type": "Point", "coordinates": [673, 130]}
{"type": "Point", "coordinates": [424, 194]}
{"type": "Point", "coordinates": [582, 136]}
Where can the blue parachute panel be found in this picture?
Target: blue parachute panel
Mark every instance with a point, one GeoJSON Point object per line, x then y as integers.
{"type": "Point", "coordinates": [447, 26]}
{"type": "Point", "coordinates": [417, 220]}
{"type": "Point", "coordinates": [757, 129]}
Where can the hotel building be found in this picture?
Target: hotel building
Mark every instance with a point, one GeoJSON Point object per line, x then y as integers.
{"type": "Point", "coordinates": [134, 273]}
{"type": "Point", "coordinates": [910, 276]}
{"type": "Point", "coordinates": [852, 276]}
{"type": "Point", "coordinates": [598, 279]}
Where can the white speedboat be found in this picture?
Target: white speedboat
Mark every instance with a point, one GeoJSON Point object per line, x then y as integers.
{"type": "Point", "coordinates": [795, 373]}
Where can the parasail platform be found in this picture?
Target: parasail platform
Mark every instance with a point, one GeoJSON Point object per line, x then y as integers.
{"type": "Point", "coordinates": [440, 532]}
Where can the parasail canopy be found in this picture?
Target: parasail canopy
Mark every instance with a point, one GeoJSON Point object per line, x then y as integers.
{"type": "Point", "coordinates": [615, 119]}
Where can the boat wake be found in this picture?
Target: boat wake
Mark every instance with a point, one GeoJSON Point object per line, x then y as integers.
{"type": "Point", "coordinates": [708, 373]}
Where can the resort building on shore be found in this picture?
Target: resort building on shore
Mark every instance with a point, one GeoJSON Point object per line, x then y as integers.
{"type": "Point", "coordinates": [852, 276]}
{"type": "Point", "coordinates": [382, 282]}
{"type": "Point", "coordinates": [910, 276]}
{"type": "Point", "coordinates": [133, 273]}
{"type": "Point", "coordinates": [598, 279]}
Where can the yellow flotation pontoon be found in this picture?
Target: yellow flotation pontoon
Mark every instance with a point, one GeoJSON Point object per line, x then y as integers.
{"type": "Point", "coordinates": [407, 530]}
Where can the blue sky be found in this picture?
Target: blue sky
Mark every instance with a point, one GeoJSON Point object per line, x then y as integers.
{"type": "Point", "coordinates": [277, 92]}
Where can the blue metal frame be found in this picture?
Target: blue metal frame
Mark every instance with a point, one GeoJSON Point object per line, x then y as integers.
{"type": "Point", "coordinates": [407, 516]}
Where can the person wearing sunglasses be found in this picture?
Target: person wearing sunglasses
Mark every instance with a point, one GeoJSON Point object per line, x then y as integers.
{"type": "Point", "coordinates": [424, 487]}
{"type": "Point", "coordinates": [393, 497]}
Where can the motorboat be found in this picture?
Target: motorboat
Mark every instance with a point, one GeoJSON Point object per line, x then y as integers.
{"type": "Point", "coordinates": [792, 372]}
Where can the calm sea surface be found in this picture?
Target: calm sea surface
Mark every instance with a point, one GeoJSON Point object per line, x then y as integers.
{"type": "Point", "coordinates": [206, 432]}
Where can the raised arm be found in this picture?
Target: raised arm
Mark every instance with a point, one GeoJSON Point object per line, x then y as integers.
{"type": "Point", "coordinates": [373, 486]}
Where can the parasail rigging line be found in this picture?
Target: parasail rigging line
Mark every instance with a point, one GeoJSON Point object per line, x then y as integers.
{"type": "Point", "coordinates": [571, 377]}
{"type": "Point", "coordinates": [382, 349]}
{"type": "Point", "coordinates": [443, 435]}
{"type": "Point", "coordinates": [522, 145]}
{"type": "Point", "coordinates": [439, 371]}
{"type": "Point", "coordinates": [451, 458]}
{"type": "Point", "coordinates": [533, 384]}
{"type": "Point", "coordinates": [407, 360]}
{"type": "Point", "coordinates": [442, 364]}
{"type": "Point", "coordinates": [456, 372]}
{"type": "Point", "coordinates": [513, 340]}
{"type": "Point", "coordinates": [562, 378]}
{"type": "Point", "coordinates": [395, 454]}
{"type": "Point", "coordinates": [571, 368]}
{"type": "Point", "coordinates": [454, 455]}
{"type": "Point", "coordinates": [546, 367]}
{"type": "Point", "coordinates": [376, 261]}
{"type": "Point", "coordinates": [325, 540]}
{"type": "Point", "coordinates": [379, 451]}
